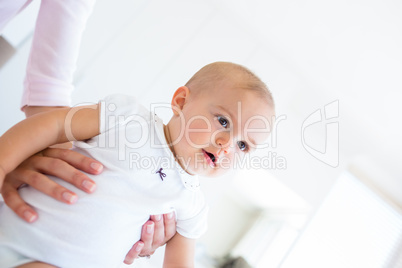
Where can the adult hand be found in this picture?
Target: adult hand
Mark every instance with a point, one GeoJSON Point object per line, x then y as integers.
{"type": "Point", "coordinates": [155, 233]}
{"type": "Point", "coordinates": [62, 163]}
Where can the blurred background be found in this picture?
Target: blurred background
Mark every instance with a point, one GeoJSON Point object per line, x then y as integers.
{"type": "Point", "coordinates": [329, 191]}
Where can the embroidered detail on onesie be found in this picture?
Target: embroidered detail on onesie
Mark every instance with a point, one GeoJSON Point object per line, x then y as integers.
{"type": "Point", "coordinates": [161, 174]}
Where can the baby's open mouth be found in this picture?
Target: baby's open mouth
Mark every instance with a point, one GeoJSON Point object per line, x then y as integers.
{"type": "Point", "coordinates": [210, 158]}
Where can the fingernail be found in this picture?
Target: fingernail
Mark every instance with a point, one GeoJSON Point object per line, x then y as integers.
{"type": "Point", "coordinates": [69, 197]}
{"type": "Point", "coordinates": [150, 228]}
{"type": "Point", "coordinates": [29, 216]}
{"type": "Point", "coordinates": [158, 217]}
{"type": "Point", "coordinates": [170, 215]}
{"type": "Point", "coordinates": [139, 247]}
{"type": "Point", "coordinates": [89, 185]}
{"type": "Point", "coordinates": [96, 166]}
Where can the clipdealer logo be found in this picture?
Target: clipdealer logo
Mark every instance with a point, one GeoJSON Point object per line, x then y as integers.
{"type": "Point", "coordinates": [330, 153]}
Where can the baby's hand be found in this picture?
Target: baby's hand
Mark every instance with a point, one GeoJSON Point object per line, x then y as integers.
{"type": "Point", "coordinates": [155, 233]}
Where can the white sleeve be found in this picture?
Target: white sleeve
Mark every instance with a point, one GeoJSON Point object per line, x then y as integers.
{"type": "Point", "coordinates": [54, 52]}
{"type": "Point", "coordinates": [196, 225]}
{"type": "Point", "coordinates": [114, 109]}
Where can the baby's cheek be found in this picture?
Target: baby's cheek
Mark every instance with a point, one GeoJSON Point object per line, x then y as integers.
{"type": "Point", "coordinates": [198, 133]}
{"type": "Point", "coordinates": [226, 163]}
{"type": "Point", "coordinates": [238, 160]}
{"type": "Point", "coordinates": [198, 139]}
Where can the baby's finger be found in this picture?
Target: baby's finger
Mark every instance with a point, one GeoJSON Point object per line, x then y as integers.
{"type": "Point", "coordinates": [62, 170]}
{"type": "Point", "coordinates": [170, 225]}
{"type": "Point", "coordinates": [15, 202]}
{"type": "Point", "coordinates": [134, 252]}
{"type": "Point", "coordinates": [159, 231]}
{"type": "Point", "coordinates": [75, 159]}
{"type": "Point", "coordinates": [147, 236]}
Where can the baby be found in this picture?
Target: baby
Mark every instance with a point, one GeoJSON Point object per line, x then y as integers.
{"type": "Point", "coordinates": [222, 113]}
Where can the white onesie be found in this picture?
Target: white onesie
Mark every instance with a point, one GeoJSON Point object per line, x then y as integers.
{"type": "Point", "coordinates": [140, 178]}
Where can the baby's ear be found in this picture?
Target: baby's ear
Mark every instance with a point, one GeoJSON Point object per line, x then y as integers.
{"type": "Point", "coordinates": [179, 99]}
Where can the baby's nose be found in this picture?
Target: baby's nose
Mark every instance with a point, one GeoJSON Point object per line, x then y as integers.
{"type": "Point", "coordinates": [224, 148]}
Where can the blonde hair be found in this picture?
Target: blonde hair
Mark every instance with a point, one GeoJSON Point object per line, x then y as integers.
{"type": "Point", "coordinates": [214, 75]}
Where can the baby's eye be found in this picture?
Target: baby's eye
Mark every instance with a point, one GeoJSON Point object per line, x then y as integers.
{"type": "Point", "coordinates": [223, 121]}
{"type": "Point", "coordinates": [242, 145]}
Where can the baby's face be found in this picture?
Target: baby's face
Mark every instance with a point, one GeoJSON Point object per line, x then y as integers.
{"type": "Point", "coordinates": [219, 128]}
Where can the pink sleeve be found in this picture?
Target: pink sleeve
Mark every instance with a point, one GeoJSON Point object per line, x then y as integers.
{"type": "Point", "coordinates": [54, 52]}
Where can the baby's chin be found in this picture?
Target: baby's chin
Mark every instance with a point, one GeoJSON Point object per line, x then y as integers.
{"type": "Point", "coordinates": [205, 170]}
{"type": "Point", "coordinates": [213, 173]}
